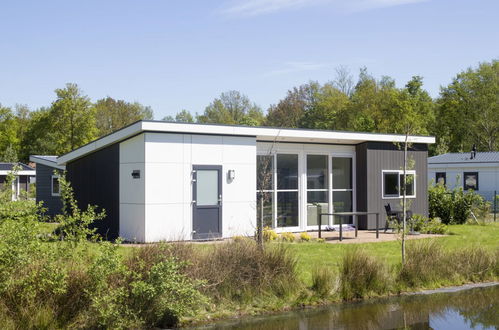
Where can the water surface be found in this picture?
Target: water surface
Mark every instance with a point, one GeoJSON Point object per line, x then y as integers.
{"type": "Point", "coordinates": [476, 308]}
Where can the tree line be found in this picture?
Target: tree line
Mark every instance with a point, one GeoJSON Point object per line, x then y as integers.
{"type": "Point", "coordinates": [466, 112]}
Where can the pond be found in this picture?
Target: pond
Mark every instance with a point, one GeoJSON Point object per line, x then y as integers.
{"type": "Point", "coordinates": [475, 308]}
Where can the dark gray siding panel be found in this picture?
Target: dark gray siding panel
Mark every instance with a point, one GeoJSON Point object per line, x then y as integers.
{"type": "Point", "coordinates": [44, 190]}
{"type": "Point", "coordinates": [387, 156]}
{"type": "Point", "coordinates": [95, 180]}
{"type": "Point", "coordinates": [361, 181]}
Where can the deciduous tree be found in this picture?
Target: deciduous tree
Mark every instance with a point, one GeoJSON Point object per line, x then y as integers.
{"type": "Point", "coordinates": [232, 107]}
{"type": "Point", "coordinates": [111, 114]}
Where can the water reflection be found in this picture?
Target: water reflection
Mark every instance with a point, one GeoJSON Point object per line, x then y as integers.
{"type": "Point", "coordinates": [474, 308]}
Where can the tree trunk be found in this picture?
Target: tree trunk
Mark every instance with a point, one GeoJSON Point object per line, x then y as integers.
{"type": "Point", "coordinates": [404, 201]}
{"type": "Point", "coordinates": [260, 223]}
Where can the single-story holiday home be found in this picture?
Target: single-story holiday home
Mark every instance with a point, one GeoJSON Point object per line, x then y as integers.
{"type": "Point", "coordinates": [179, 181]}
{"type": "Point", "coordinates": [47, 182]}
{"type": "Point", "coordinates": [478, 171]}
{"type": "Point", "coordinates": [24, 176]}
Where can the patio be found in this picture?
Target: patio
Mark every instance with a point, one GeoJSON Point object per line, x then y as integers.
{"type": "Point", "coordinates": [363, 236]}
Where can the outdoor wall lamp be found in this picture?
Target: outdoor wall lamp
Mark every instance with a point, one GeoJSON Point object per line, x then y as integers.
{"type": "Point", "coordinates": [136, 174]}
{"type": "Point", "coordinates": [231, 174]}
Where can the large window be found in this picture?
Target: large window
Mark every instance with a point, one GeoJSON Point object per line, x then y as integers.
{"type": "Point", "coordinates": [470, 180]}
{"type": "Point", "coordinates": [277, 183]}
{"type": "Point", "coordinates": [393, 184]}
{"type": "Point", "coordinates": [342, 187]}
{"type": "Point", "coordinates": [317, 187]}
{"type": "Point", "coordinates": [265, 189]}
{"type": "Point", "coordinates": [287, 190]}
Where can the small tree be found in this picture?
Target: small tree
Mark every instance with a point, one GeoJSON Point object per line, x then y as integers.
{"type": "Point", "coordinates": [75, 224]}
{"type": "Point", "coordinates": [408, 117]}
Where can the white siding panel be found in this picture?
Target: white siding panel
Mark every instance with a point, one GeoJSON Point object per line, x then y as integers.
{"type": "Point", "coordinates": [243, 187]}
{"type": "Point", "coordinates": [132, 191]}
{"type": "Point", "coordinates": [165, 222]}
{"type": "Point", "coordinates": [164, 148]}
{"type": "Point", "coordinates": [132, 222]}
{"type": "Point", "coordinates": [207, 150]}
{"type": "Point", "coordinates": [239, 219]}
{"type": "Point", "coordinates": [165, 183]}
{"type": "Point", "coordinates": [132, 150]}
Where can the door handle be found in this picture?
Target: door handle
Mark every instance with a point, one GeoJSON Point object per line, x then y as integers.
{"type": "Point", "coordinates": [220, 199]}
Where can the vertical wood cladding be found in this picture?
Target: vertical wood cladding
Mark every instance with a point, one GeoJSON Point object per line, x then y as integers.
{"type": "Point", "coordinates": [372, 159]}
{"type": "Point", "coordinates": [44, 190]}
{"type": "Point", "coordinates": [95, 180]}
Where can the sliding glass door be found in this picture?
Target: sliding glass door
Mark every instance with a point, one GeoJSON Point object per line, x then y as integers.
{"type": "Point", "coordinates": [287, 190]}
{"type": "Point", "coordinates": [342, 188]}
{"type": "Point", "coordinates": [317, 188]}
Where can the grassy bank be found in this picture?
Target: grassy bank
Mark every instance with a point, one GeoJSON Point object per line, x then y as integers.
{"type": "Point", "coordinates": [311, 254]}
{"type": "Point", "coordinates": [49, 283]}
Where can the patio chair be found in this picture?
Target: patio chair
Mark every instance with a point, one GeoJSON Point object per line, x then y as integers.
{"type": "Point", "coordinates": [392, 215]}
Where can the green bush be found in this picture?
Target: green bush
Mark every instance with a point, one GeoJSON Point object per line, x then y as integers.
{"type": "Point", "coordinates": [455, 206]}
{"type": "Point", "coordinates": [362, 275]}
{"type": "Point", "coordinates": [426, 262]}
{"type": "Point", "coordinates": [75, 224]}
{"type": "Point", "coordinates": [323, 281]}
{"type": "Point", "coordinates": [422, 224]}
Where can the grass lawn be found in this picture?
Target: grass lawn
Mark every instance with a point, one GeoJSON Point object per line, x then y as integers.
{"type": "Point", "coordinates": [311, 255]}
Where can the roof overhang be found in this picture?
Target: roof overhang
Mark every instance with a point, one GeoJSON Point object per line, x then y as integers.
{"type": "Point", "coordinates": [31, 172]}
{"type": "Point", "coordinates": [37, 159]}
{"type": "Point", "coordinates": [260, 133]}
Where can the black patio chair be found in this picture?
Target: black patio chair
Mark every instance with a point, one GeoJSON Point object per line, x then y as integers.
{"type": "Point", "coordinates": [392, 215]}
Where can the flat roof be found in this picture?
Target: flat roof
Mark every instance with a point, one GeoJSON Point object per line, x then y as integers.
{"type": "Point", "coordinates": [261, 133]}
{"type": "Point", "coordinates": [47, 160]}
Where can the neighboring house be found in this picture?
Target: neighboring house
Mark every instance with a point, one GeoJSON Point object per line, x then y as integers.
{"type": "Point", "coordinates": [178, 181]}
{"type": "Point", "coordinates": [476, 170]}
{"type": "Point", "coordinates": [24, 176]}
{"type": "Point", "coordinates": [47, 183]}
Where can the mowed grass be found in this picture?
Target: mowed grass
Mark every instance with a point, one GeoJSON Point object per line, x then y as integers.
{"type": "Point", "coordinates": [311, 255]}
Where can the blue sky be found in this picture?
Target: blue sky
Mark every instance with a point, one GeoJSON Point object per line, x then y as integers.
{"type": "Point", "coordinates": [175, 55]}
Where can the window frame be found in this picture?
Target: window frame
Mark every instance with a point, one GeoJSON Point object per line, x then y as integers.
{"type": "Point", "coordinates": [442, 174]}
{"type": "Point", "coordinates": [399, 173]}
{"type": "Point", "coordinates": [477, 181]}
{"type": "Point", "coordinates": [55, 194]}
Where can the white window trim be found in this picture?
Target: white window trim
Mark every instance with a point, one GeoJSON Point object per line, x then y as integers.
{"type": "Point", "coordinates": [399, 172]}
{"type": "Point", "coordinates": [52, 186]}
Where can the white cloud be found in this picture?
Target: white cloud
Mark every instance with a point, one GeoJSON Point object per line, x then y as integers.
{"type": "Point", "coordinates": [262, 7]}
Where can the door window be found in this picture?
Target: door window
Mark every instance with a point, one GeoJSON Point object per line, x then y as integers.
{"type": "Point", "coordinates": [207, 187]}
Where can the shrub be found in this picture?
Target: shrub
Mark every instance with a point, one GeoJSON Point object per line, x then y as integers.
{"type": "Point", "coordinates": [440, 202]}
{"type": "Point", "coordinates": [323, 281]}
{"type": "Point", "coordinates": [269, 234]}
{"type": "Point", "coordinates": [425, 225]}
{"type": "Point", "coordinates": [321, 240]}
{"type": "Point", "coordinates": [241, 270]}
{"type": "Point", "coordinates": [305, 237]}
{"type": "Point", "coordinates": [455, 206]}
{"type": "Point", "coordinates": [288, 237]}
{"type": "Point", "coordinates": [434, 226]}
{"type": "Point", "coordinates": [473, 263]}
{"type": "Point", "coordinates": [75, 224]}
{"type": "Point", "coordinates": [362, 274]}
{"type": "Point", "coordinates": [425, 263]}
